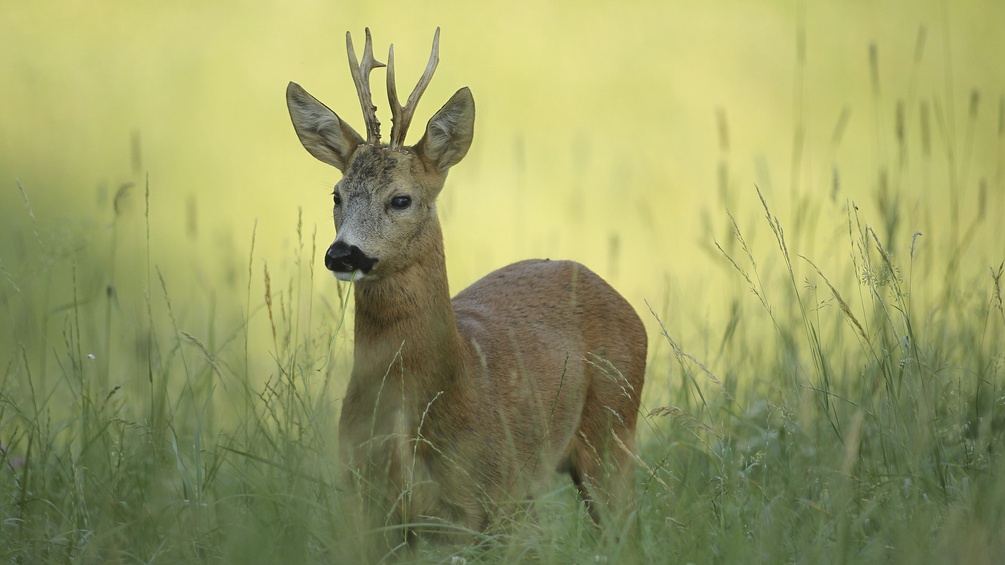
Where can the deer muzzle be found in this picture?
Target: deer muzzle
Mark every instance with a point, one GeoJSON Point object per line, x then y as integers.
{"type": "Point", "coordinates": [348, 262]}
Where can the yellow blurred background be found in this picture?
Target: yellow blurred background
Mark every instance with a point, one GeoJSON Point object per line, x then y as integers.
{"type": "Point", "coordinates": [615, 133]}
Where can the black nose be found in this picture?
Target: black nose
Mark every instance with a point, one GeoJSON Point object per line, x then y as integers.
{"type": "Point", "coordinates": [345, 258]}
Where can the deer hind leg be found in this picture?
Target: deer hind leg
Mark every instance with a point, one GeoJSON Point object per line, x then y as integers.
{"type": "Point", "coordinates": [601, 462]}
{"type": "Point", "coordinates": [602, 470]}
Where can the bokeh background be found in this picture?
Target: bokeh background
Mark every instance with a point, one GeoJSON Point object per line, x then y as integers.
{"type": "Point", "coordinates": [173, 353]}
{"type": "Point", "coordinates": [622, 134]}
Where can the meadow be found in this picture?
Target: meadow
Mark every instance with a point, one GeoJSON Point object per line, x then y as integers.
{"type": "Point", "coordinates": [805, 204]}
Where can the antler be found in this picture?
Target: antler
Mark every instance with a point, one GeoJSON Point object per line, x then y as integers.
{"type": "Point", "coordinates": [402, 116]}
{"type": "Point", "coordinates": [361, 76]}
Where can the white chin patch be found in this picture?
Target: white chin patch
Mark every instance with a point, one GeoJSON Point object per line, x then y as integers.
{"type": "Point", "coordinates": [348, 276]}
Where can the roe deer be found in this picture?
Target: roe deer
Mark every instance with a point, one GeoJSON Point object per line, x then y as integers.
{"type": "Point", "coordinates": [456, 409]}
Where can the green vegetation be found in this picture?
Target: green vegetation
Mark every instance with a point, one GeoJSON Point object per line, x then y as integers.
{"type": "Point", "coordinates": [852, 424]}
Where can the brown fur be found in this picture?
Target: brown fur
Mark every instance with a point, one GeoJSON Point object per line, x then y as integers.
{"type": "Point", "coordinates": [456, 410]}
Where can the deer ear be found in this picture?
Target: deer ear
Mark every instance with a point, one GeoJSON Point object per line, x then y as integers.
{"type": "Point", "coordinates": [449, 133]}
{"type": "Point", "coordinates": [323, 134]}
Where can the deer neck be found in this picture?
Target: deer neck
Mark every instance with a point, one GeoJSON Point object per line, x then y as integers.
{"type": "Point", "coordinates": [405, 330]}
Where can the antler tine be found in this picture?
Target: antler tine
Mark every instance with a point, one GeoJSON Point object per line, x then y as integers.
{"type": "Point", "coordinates": [361, 76]}
{"type": "Point", "coordinates": [402, 116]}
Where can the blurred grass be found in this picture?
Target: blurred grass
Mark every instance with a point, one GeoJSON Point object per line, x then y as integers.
{"type": "Point", "coordinates": [808, 198]}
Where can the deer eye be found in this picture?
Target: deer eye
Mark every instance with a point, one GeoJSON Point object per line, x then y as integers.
{"type": "Point", "coordinates": [401, 202]}
{"type": "Point", "coordinates": [337, 198]}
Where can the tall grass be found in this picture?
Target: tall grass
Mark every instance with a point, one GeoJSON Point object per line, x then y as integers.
{"type": "Point", "coordinates": [849, 410]}
{"type": "Point", "coordinates": [146, 434]}
{"type": "Point", "coordinates": [862, 434]}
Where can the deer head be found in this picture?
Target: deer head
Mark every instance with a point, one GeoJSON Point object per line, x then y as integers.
{"type": "Point", "coordinates": [385, 203]}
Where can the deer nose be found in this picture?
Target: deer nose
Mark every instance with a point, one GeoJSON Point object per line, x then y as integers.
{"type": "Point", "coordinates": [345, 258]}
